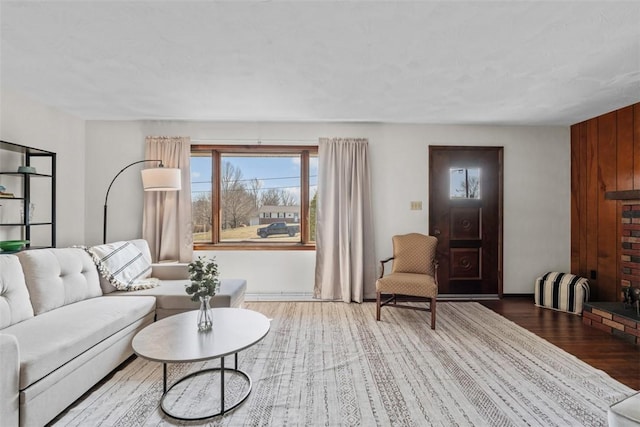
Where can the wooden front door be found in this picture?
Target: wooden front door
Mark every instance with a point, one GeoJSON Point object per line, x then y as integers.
{"type": "Point", "coordinates": [465, 214]}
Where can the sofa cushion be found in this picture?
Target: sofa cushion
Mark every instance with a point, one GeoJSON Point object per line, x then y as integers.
{"type": "Point", "coordinates": [170, 270]}
{"type": "Point", "coordinates": [14, 297]}
{"type": "Point", "coordinates": [57, 277]}
{"type": "Point", "coordinates": [50, 340]}
{"type": "Point", "coordinates": [171, 295]}
{"type": "Point", "coordinates": [123, 265]}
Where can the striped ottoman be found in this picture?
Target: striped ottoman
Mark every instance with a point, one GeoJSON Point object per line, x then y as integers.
{"type": "Point", "coordinates": [562, 291]}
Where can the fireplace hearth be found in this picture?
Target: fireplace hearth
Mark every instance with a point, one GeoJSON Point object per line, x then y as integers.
{"type": "Point", "coordinates": [614, 318]}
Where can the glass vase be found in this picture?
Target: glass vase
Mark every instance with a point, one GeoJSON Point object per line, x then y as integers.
{"type": "Point", "coordinates": [205, 317]}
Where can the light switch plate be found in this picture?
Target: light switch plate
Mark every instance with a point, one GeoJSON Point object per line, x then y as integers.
{"type": "Point", "coordinates": [416, 206]}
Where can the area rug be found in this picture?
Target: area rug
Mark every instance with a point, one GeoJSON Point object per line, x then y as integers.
{"type": "Point", "coordinates": [332, 364]}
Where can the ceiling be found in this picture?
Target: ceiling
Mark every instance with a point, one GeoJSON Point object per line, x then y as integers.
{"type": "Point", "coordinates": [446, 62]}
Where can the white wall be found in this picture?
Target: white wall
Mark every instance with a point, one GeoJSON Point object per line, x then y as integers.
{"type": "Point", "coordinates": [537, 219]}
{"type": "Point", "coordinates": [536, 177]}
{"type": "Point", "coordinates": [28, 122]}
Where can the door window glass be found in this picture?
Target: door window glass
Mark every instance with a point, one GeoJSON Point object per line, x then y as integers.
{"type": "Point", "coordinates": [464, 183]}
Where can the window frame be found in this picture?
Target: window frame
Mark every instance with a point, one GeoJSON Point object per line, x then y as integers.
{"type": "Point", "coordinates": [216, 152]}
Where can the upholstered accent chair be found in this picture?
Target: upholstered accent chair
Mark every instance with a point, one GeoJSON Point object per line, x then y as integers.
{"type": "Point", "coordinates": [413, 273]}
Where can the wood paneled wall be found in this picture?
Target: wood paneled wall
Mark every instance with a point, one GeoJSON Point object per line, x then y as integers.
{"type": "Point", "coordinates": [605, 156]}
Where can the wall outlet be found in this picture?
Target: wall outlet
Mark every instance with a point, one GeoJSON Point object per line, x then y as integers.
{"type": "Point", "coordinates": [416, 206]}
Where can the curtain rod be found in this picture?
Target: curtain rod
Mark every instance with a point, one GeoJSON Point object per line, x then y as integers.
{"type": "Point", "coordinates": [252, 140]}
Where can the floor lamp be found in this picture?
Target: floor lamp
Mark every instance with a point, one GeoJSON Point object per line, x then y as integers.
{"type": "Point", "coordinates": [153, 179]}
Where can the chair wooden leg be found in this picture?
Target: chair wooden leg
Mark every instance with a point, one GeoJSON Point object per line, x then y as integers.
{"type": "Point", "coordinates": [377, 305]}
{"type": "Point", "coordinates": [433, 312]}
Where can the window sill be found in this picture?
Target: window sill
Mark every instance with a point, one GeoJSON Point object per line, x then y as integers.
{"type": "Point", "coordinates": [254, 247]}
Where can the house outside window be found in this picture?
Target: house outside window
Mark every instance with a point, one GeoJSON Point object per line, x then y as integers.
{"type": "Point", "coordinates": [237, 190]}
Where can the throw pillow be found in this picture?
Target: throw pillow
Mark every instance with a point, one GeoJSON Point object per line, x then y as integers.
{"type": "Point", "coordinates": [123, 265]}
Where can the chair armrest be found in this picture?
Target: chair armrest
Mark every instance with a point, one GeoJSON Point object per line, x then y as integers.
{"type": "Point", "coordinates": [382, 263]}
{"type": "Point", "coordinates": [170, 271]}
{"type": "Point", "coordinates": [9, 381]}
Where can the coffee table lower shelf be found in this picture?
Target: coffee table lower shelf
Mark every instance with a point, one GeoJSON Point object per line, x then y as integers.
{"type": "Point", "coordinates": [222, 370]}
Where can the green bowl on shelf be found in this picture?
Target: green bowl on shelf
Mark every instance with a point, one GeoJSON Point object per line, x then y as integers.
{"type": "Point", "coordinates": [12, 245]}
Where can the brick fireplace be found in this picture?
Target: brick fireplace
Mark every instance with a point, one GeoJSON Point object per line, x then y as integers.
{"type": "Point", "coordinates": [630, 238]}
{"type": "Point", "coordinates": [614, 317]}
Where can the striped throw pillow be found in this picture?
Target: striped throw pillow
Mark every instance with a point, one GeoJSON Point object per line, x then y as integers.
{"type": "Point", "coordinates": [123, 265]}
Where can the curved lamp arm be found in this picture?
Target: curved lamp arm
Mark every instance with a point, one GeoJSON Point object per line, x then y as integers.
{"type": "Point", "coordinates": [106, 197]}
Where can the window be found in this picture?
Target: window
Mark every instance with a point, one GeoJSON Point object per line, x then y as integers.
{"type": "Point", "coordinates": [257, 196]}
{"type": "Point", "coordinates": [464, 183]}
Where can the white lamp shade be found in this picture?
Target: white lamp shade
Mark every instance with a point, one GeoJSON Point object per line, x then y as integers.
{"type": "Point", "coordinates": [161, 179]}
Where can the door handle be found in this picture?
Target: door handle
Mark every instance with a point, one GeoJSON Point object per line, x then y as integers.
{"type": "Point", "coordinates": [436, 231]}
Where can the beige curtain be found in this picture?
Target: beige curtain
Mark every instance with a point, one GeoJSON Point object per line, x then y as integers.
{"type": "Point", "coordinates": [345, 260]}
{"type": "Point", "coordinates": [166, 220]}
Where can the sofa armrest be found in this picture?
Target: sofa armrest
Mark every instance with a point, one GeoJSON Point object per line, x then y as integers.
{"type": "Point", "coordinates": [170, 271]}
{"type": "Point", "coordinates": [9, 381]}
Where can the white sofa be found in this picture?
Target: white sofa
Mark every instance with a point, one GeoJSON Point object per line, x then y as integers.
{"type": "Point", "coordinates": [625, 413]}
{"type": "Point", "coordinates": [60, 333]}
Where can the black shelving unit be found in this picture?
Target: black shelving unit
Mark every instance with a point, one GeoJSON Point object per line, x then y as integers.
{"type": "Point", "coordinates": [27, 155]}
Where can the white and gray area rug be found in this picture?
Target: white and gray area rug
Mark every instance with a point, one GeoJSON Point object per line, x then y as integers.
{"type": "Point", "coordinates": [332, 364]}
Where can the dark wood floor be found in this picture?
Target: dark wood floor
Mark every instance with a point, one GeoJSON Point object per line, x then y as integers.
{"type": "Point", "coordinates": [618, 358]}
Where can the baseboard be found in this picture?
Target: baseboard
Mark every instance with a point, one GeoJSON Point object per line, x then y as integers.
{"type": "Point", "coordinates": [527, 295]}
{"type": "Point", "coordinates": [468, 297]}
{"type": "Point", "coordinates": [308, 296]}
{"type": "Point", "coordinates": [280, 296]}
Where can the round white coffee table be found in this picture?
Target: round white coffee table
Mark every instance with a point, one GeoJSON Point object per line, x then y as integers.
{"type": "Point", "coordinates": [176, 339]}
